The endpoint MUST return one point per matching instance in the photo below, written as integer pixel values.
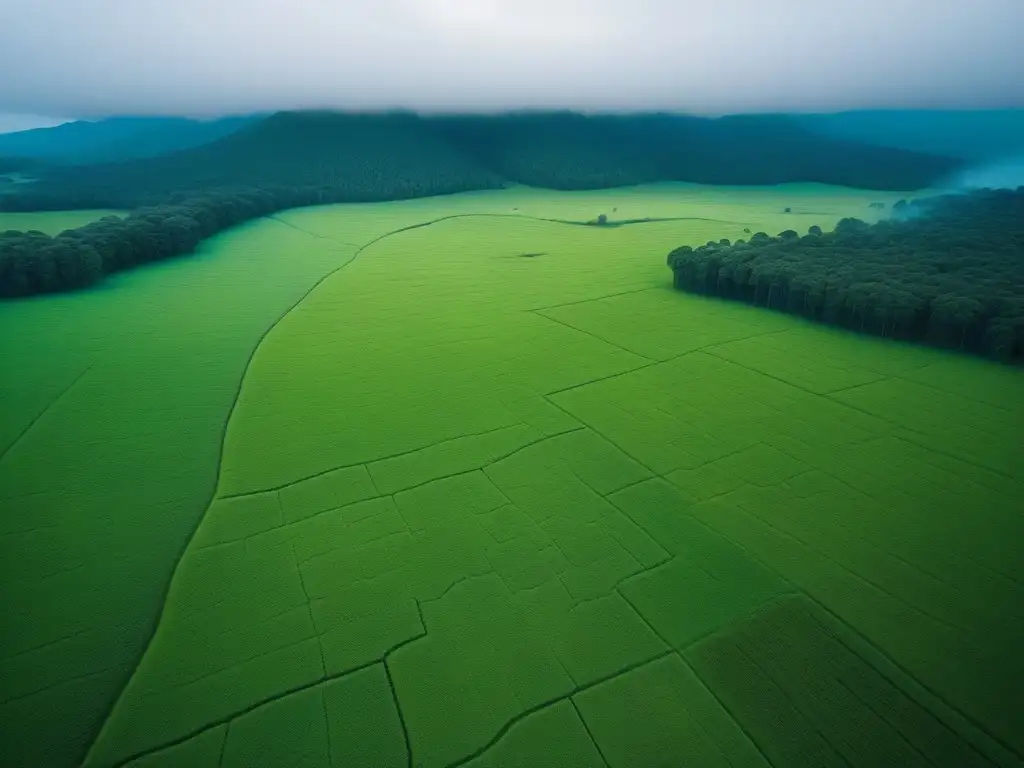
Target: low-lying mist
(1006, 173)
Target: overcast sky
(89, 58)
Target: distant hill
(357, 157)
(972, 135)
(383, 156)
(10, 164)
(116, 139)
(572, 151)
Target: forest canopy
(33, 262)
(390, 156)
(17, 164)
(946, 270)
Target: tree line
(947, 271)
(293, 159)
(354, 158)
(371, 157)
(34, 262)
(564, 150)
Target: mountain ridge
(83, 142)
(393, 155)
(969, 134)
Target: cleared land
(112, 409)
(600, 521)
(51, 222)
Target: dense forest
(291, 159)
(947, 271)
(358, 158)
(116, 138)
(33, 262)
(14, 164)
(572, 151)
(370, 157)
(979, 135)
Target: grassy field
(51, 222)
(493, 494)
(112, 409)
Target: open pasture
(493, 494)
(112, 407)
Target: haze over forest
(240, 56)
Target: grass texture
(112, 408)
(478, 509)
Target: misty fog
(66, 58)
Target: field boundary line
(923, 435)
(925, 691)
(155, 624)
(228, 719)
(591, 335)
(596, 298)
(948, 707)
(311, 233)
(504, 730)
(697, 677)
(42, 413)
(590, 733)
(368, 462)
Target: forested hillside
(947, 271)
(359, 157)
(398, 155)
(972, 134)
(116, 139)
(15, 164)
(572, 151)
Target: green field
(493, 494)
(51, 222)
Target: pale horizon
(737, 56)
